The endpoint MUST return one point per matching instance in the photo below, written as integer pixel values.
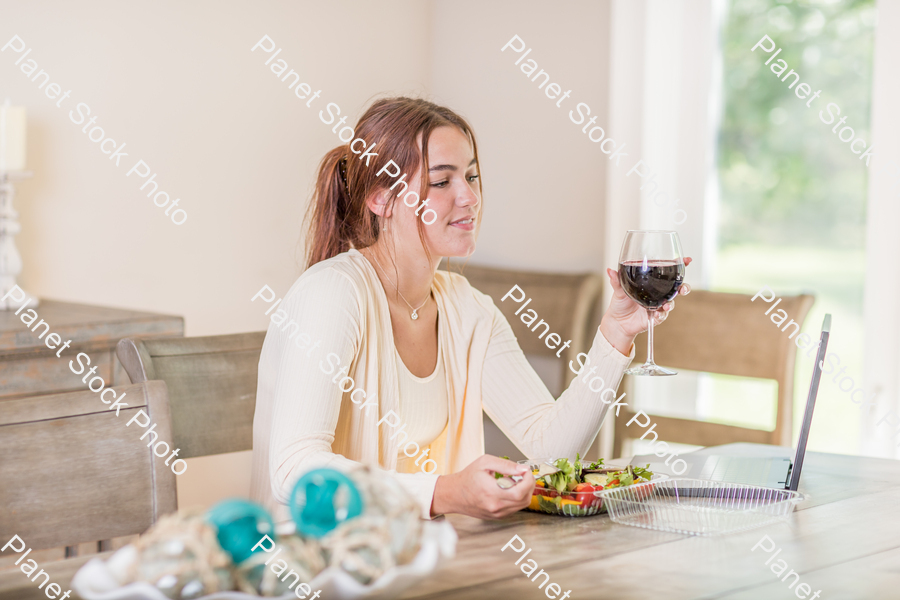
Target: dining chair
(724, 333)
(73, 472)
(568, 303)
(211, 382)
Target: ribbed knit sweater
(304, 420)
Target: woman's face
(452, 193)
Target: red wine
(653, 283)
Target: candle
(12, 138)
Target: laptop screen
(810, 405)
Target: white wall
(544, 181)
(177, 82)
(179, 85)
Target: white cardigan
(304, 421)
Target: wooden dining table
(843, 540)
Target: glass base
(651, 370)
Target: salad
(570, 491)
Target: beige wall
(178, 84)
(543, 180)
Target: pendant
(414, 315)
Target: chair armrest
(136, 360)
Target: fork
(507, 482)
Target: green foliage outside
(786, 179)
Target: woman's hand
(625, 318)
(474, 490)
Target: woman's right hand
(474, 490)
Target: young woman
(374, 353)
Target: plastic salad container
(698, 507)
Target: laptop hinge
(787, 481)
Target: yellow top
(424, 410)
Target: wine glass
(651, 270)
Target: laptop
(778, 473)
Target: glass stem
(650, 337)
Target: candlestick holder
(10, 261)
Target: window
(792, 196)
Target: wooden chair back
(212, 386)
(73, 472)
(724, 333)
(568, 303)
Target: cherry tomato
(585, 494)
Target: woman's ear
(379, 203)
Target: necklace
(414, 315)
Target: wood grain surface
(29, 368)
(74, 472)
(87, 326)
(843, 540)
(211, 383)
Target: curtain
(881, 422)
(665, 104)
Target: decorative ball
(292, 563)
(388, 534)
(323, 499)
(179, 556)
(240, 525)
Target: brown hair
(337, 217)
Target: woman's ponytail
(327, 215)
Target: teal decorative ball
(323, 499)
(240, 525)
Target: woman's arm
(307, 399)
(518, 401)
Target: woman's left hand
(625, 318)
